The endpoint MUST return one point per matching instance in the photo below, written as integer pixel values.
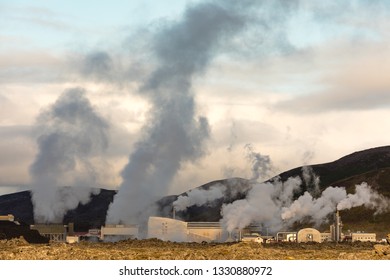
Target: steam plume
(261, 164)
(199, 197)
(365, 195)
(271, 204)
(173, 134)
(312, 181)
(333, 198)
(262, 205)
(71, 137)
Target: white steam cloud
(333, 198)
(271, 204)
(199, 197)
(312, 181)
(173, 133)
(71, 138)
(365, 195)
(315, 209)
(262, 204)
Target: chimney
(71, 229)
(337, 227)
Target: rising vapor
(260, 164)
(199, 197)
(272, 206)
(174, 134)
(71, 138)
(262, 205)
(332, 198)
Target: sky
(302, 82)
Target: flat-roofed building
(363, 237)
(55, 232)
(118, 232)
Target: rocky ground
(152, 249)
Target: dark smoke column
(173, 134)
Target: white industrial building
(209, 232)
(118, 232)
(363, 237)
(168, 229)
(326, 236)
(286, 236)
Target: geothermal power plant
(170, 229)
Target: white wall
(167, 229)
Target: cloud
(355, 81)
(335, 101)
(35, 15)
(17, 150)
(34, 66)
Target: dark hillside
(371, 166)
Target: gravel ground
(152, 249)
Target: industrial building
(209, 232)
(118, 232)
(363, 237)
(55, 232)
(335, 234)
(326, 237)
(254, 237)
(286, 236)
(168, 229)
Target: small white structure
(254, 237)
(309, 235)
(286, 236)
(363, 237)
(72, 239)
(118, 232)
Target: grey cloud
(98, 64)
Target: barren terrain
(152, 249)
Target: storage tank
(309, 235)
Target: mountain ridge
(371, 165)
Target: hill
(371, 166)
